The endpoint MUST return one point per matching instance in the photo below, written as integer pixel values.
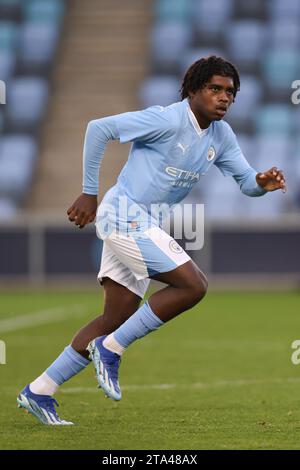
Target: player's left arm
(231, 162)
(256, 184)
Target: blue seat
(11, 9)
(274, 120)
(284, 33)
(7, 64)
(296, 161)
(1, 122)
(290, 164)
(268, 207)
(273, 150)
(247, 100)
(27, 99)
(169, 41)
(17, 160)
(268, 151)
(44, 11)
(280, 67)
(194, 54)
(179, 10)
(3, 93)
(38, 43)
(9, 35)
(221, 196)
(159, 90)
(279, 9)
(247, 146)
(8, 209)
(253, 9)
(245, 41)
(210, 16)
(296, 116)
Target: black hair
(201, 71)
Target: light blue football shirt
(168, 156)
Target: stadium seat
(169, 41)
(1, 122)
(267, 207)
(8, 209)
(210, 16)
(284, 33)
(3, 94)
(44, 11)
(272, 150)
(246, 102)
(262, 39)
(38, 46)
(8, 35)
(7, 64)
(11, 9)
(254, 9)
(296, 152)
(296, 117)
(279, 68)
(290, 165)
(27, 99)
(194, 54)
(221, 196)
(247, 146)
(17, 158)
(220, 207)
(159, 90)
(245, 41)
(179, 10)
(287, 8)
(274, 119)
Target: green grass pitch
(218, 377)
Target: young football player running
(172, 146)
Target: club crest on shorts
(211, 153)
(173, 245)
(135, 225)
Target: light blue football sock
(142, 322)
(68, 364)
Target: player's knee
(199, 288)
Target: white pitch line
(40, 317)
(163, 387)
(194, 386)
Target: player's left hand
(271, 180)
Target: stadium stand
(18, 156)
(262, 39)
(29, 35)
(103, 59)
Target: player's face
(213, 101)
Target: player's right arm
(147, 126)
(98, 133)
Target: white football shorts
(131, 260)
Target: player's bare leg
(119, 304)
(187, 285)
(36, 398)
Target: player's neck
(203, 122)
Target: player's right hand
(83, 210)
